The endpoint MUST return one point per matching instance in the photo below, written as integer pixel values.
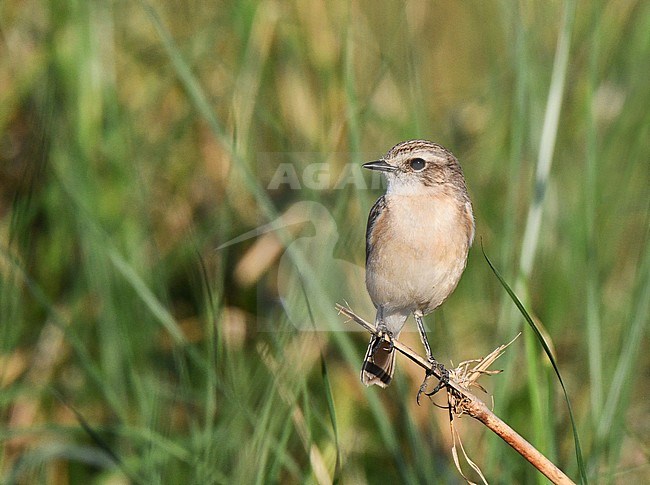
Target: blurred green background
(136, 138)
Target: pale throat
(399, 186)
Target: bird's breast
(418, 250)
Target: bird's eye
(417, 164)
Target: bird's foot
(443, 381)
(382, 334)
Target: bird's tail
(379, 363)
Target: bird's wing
(375, 213)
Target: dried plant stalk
(462, 401)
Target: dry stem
(464, 402)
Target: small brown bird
(417, 239)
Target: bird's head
(418, 166)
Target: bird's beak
(380, 165)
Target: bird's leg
(423, 336)
(444, 373)
(382, 330)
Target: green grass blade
(97, 438)
(547, 350)
(332, 414)
(622, 379)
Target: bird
(417, 241)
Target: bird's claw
(442, 382)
